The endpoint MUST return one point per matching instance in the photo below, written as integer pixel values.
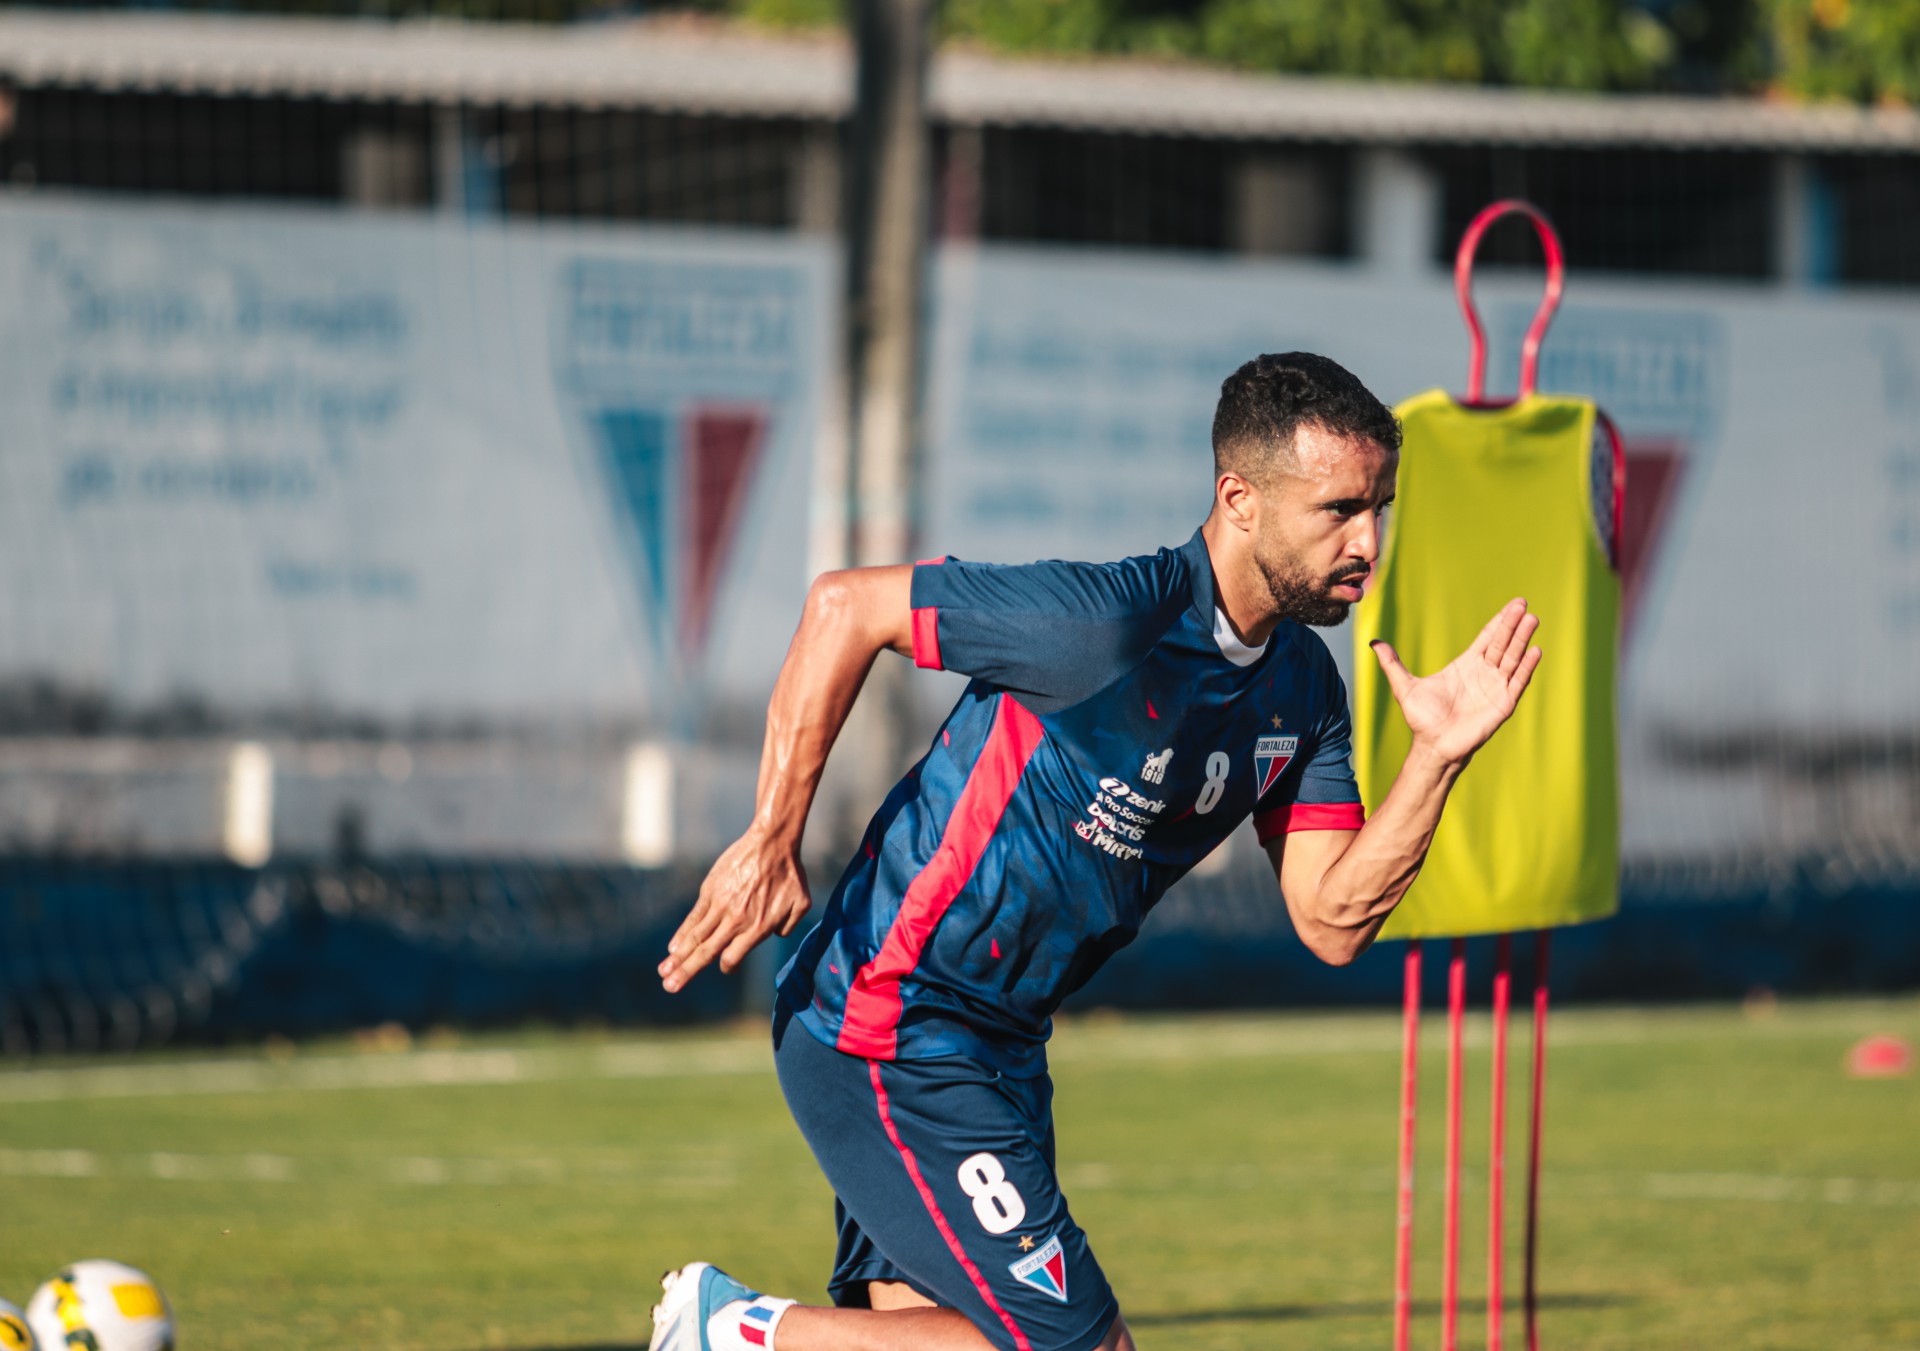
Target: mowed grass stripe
(1084, 1042)
(537, 1171)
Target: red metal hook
(1463, 288)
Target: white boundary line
(410, 1170)
(1083, 1043)
(546, 1171)
(187, 1078)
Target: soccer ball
(15, 1335)
(100, 1306)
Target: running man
(1121, 721)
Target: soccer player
(1121, 721)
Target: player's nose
(1364, 542)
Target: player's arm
(1340, 885)
(757, 888)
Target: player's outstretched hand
(1453, 711)
(756, 890)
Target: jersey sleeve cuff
(1291, 816)
(926, 639)
(926, 626)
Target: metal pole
(1542, 949)
(1409, 1104)
(1450, 1252)
(888, 188)
(1497, 1150)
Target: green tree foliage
(1566, 44)
(1054, 26)
(1391, 39)
(1866, 50)
(1584, 44)
(792, 13)
(1578, 44)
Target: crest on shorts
(1271, 756)
(1045, 1269)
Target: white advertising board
(316, 468)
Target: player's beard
(1302, 597)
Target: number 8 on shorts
(997, 1203)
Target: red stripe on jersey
(939, 1220)
(926, 627)
(1294, 816)
(873, 1000)
(926, 639)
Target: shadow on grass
(1286, 1313)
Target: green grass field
(1713, 1180)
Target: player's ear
(1237, 500)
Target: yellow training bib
(1493, 504)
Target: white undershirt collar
(1230, 646)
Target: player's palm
(1454, 710)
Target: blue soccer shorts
(943, 1178)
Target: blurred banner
(308, 471)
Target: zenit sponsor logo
(1120, 791)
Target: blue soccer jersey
(1113, 735)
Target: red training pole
(1542, 944)
(1497, 1150)
(1409, 1105)
(1450, 1256)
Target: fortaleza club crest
(1271, 756)
(1045, 1269)
(678, 379)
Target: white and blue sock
(746, 1324)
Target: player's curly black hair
(1267, 400)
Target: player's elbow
(1335, 935)
(830, 600)
(861, 605)
(835, 604)
(1335, 946)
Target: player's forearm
(849, 619)
(1361, 887)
